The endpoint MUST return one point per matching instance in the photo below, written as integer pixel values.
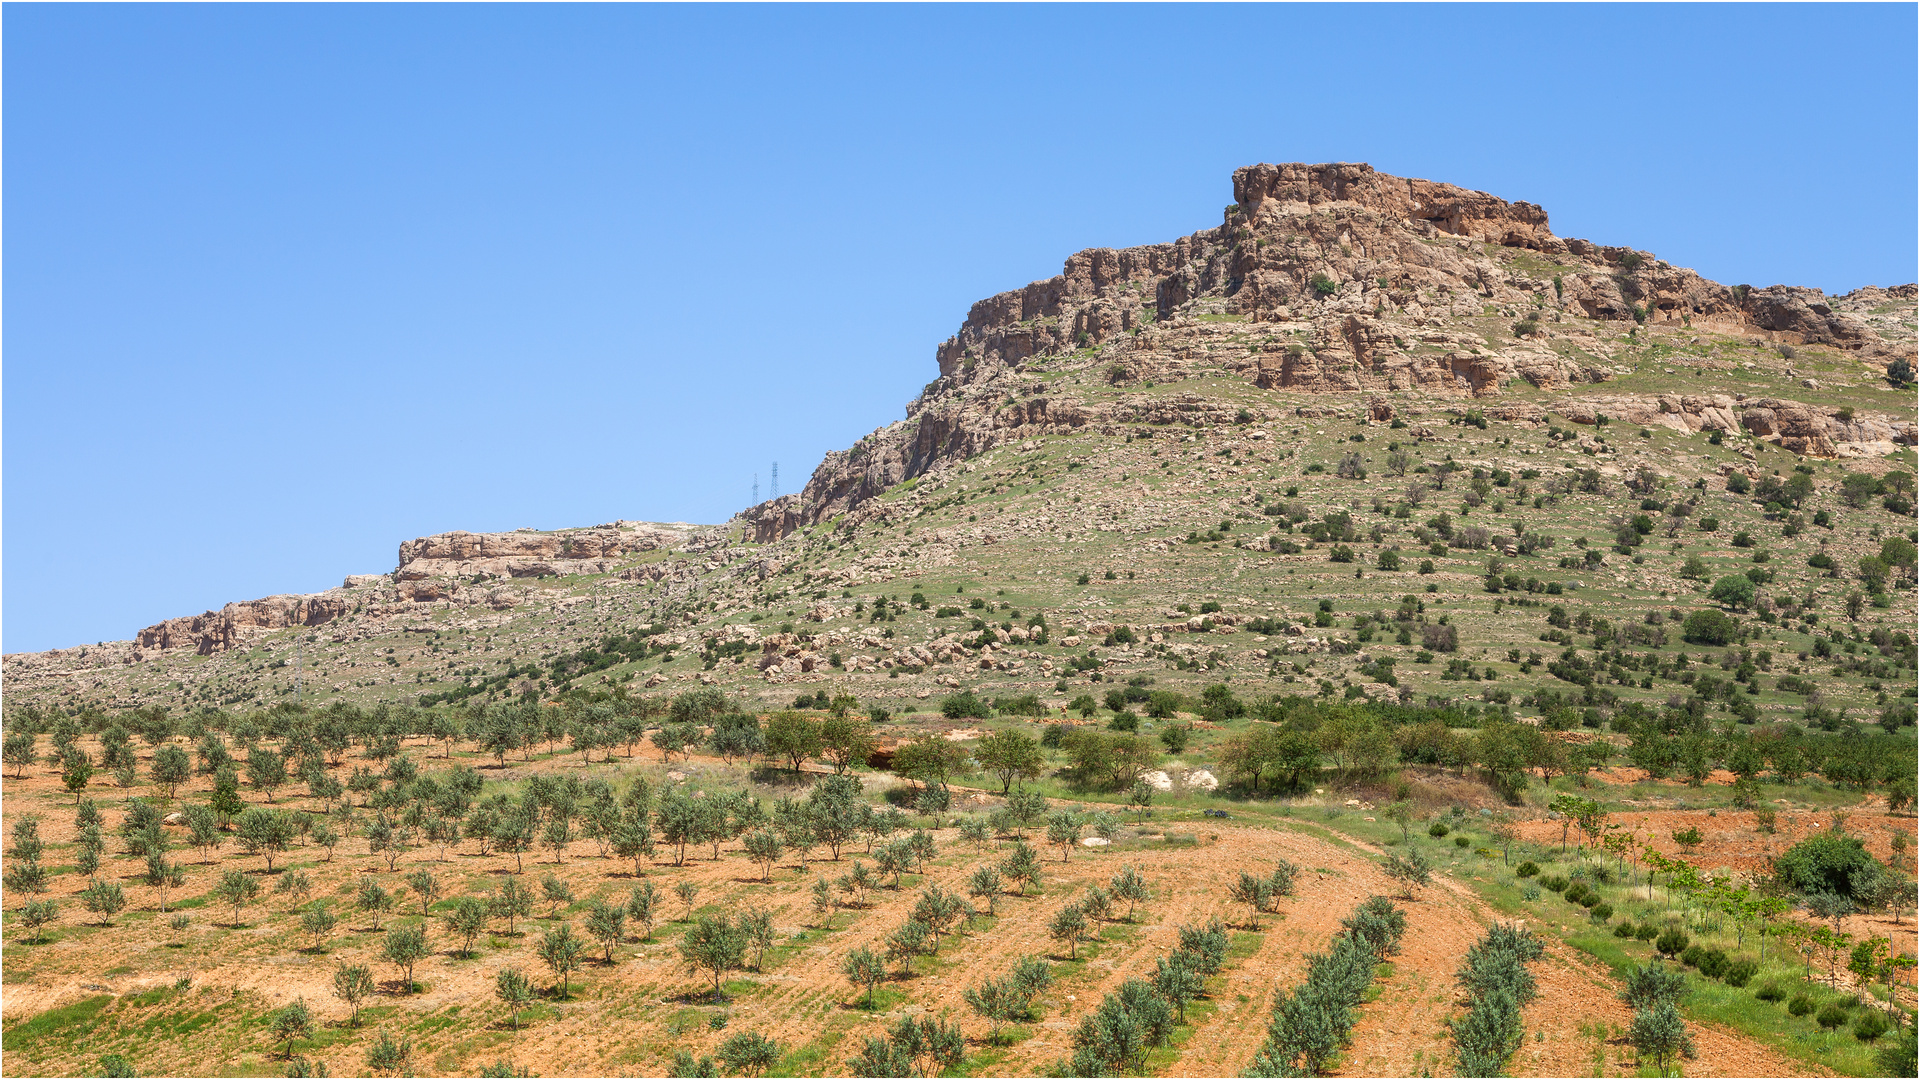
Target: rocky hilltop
(1140, 402)
(461, 566)
(1332, 279)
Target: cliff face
(231, 626)
(534, 554)
(1320, 279)
(462, 567)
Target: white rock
(1159, 780)
(1201, 779)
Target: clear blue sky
(287, 285)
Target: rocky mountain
(1330, 279)
(1108, 421)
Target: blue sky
(287, 285)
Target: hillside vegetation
(1235, 642)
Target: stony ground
(1017, 526)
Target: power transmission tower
(756, 490)
(773, 485)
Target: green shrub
(1462, 842)
(1830, 863)
(1770, 992)
(1646, 931)
(1691, 955)
(1554, 883)
(1588, 899)
(1308, 1026)
(1648, 985)
(1871, 1025)
(1735, 590)
(1525, 870)
(1575, 892)
(1624, 930)
(965, 705)
(1671, 943)
(1710, 627)
(1498, 985)
(1438, 829)
(1601, 912)
(1739, 973)
(1801, 1005)
(1713, 963)
(1831, 1017)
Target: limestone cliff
(465, 567)
(1320, 279)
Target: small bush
(1462, 842)
(1770, 992)
(1624, 930)
(1709, 627)
(1739, 973)
(1601, 912)
(1438, 829)
(1671, 943)
(1646, 931)
(1691, 955)
(1801, 1005)
(1713, 963)
(1554, 883)
(965, 705)
(1871, 1025)
(1831, 1017)
(1525, 870)
(1576, 892)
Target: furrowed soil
(93, 988)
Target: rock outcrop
(1811, 430)
(235, 624)
(527, 553)
(456, 567)
(1325, 279)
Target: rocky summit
(1275, 451)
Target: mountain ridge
(1327, 293)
